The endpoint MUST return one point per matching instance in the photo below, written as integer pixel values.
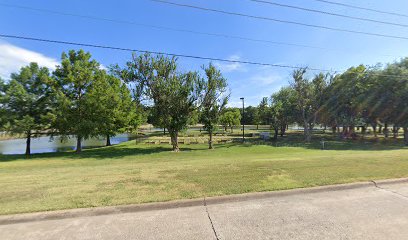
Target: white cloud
(231, 66)
(12, 58)
(267, 78)
(103, 67)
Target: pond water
(44, 144)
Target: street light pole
(243, 123)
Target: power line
(158, 27)
(329, 13)
(280, 20)
(180, 55)
(156, 52)
(119, 21)
(363, 8)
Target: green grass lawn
(130, 173)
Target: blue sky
(251, 82)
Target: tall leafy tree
(255, 117)
(388, 96)
(27, 102)
(264, 111)
(3, 101)
(283, 105)
(194, 118)
(75, 113)
(310, 99)
(251, 116)
(113, 108)
(276, 111)
(398, 101)
(174, 95)
(402, 118)
(230, 118)
(370, 101)
(213, 100)
(319, 85)
(348, 93)
(302, 87)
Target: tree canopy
(360, 97)
(213, 101)
(74, 111)
(230, 118)
(81, 99)
(113, 108)
(26, 102)
(174, 95)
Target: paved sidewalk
(364, 212)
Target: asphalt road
(370, 212)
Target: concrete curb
(88, 212)
(391, 181)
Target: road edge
(109, 210)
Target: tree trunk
(380, 128)
(352, 133)
(386, 130)
(334, 128)
(79, 144)
(306, 131)
(306, 126)
(406, 136)
(28, 144)
(257, 126)
(275, 136)
(344, 132)
(232, 129)
(363, 131)
(374, 126)
(174, 140)
(210, 141)
(164, 131)
(395, 130)
(283, 130)
(108, 141)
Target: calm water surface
(43, 144)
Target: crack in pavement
(211, 222)
(388, 190)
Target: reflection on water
(44, 144)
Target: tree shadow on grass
(293, 140)
(330, 143)
(112, 152)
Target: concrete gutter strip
(97, 211)
(391, 181)
(284, 193)
(88, 212)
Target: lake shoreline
(44, 144)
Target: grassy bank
(130, 173)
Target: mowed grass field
(132, 173)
